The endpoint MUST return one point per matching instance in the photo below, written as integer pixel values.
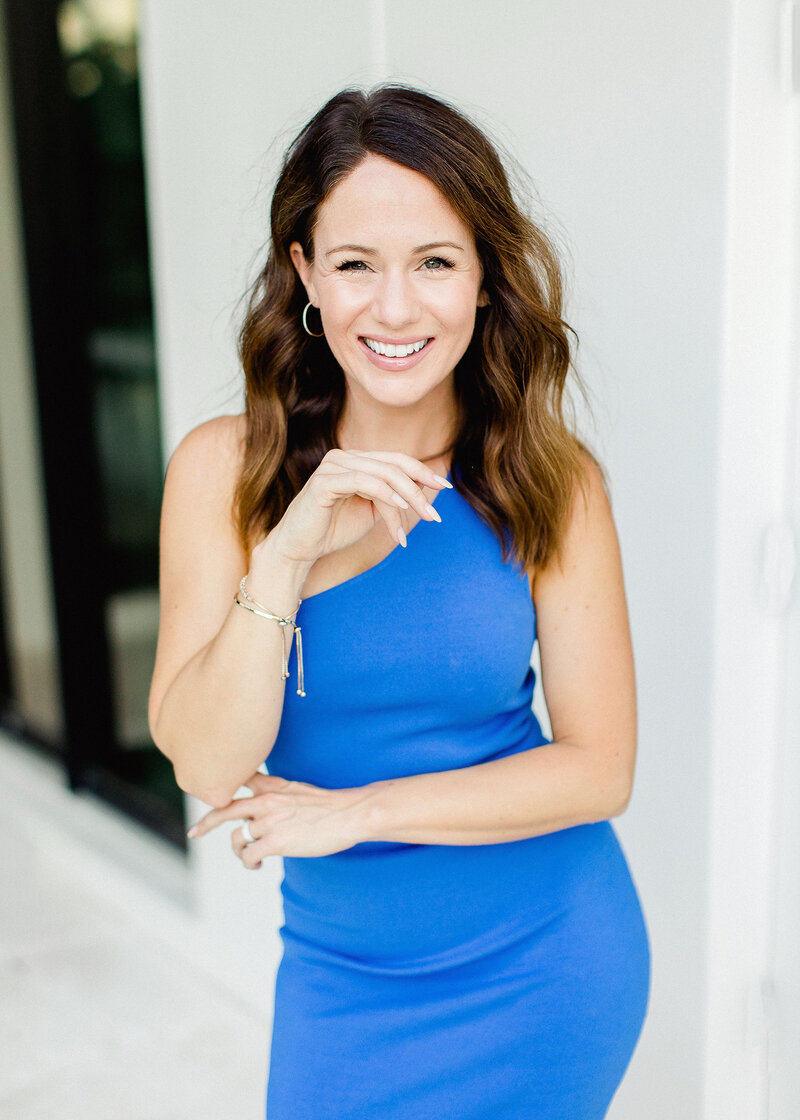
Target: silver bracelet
(251, 604)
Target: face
(394, 267)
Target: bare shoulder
(589, 525)
(583, 630)
(218, 442)
(203, 469)
(198, 530)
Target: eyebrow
(419, 248)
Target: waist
(417, 903)
(356, 752)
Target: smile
(390, 350)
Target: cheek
(342, 300)
(458, 307)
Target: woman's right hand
(346, 495)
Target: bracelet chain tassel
(250, 604)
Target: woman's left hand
(288, 819)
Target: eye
(440, 264)
(440, 260)
(347, 266)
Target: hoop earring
(305, 324)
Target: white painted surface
(752, 637)
(651, 134)
(225, 89)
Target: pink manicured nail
(401, 537)
(192, 832)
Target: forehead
(383, 200)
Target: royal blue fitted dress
(503, 981)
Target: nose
(395, 302)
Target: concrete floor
(99, 1020)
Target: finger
(238, 841)
(396, 482)
(244, 850)
(392, 522)
(410, 492)
(266, 783)
(412, 467)
(403, 473)
(235, 811)
(345, 483)
(377, 491)
(252, 856)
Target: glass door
(76, 111)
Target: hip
(412, 908)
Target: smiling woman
(462, 935)
(368, 305)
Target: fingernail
(399, 501)
(192, 832)
(401, 537)
(443, 481)
(433, 512)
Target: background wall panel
(622, 114)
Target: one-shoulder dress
(505, 981)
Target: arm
(586, 773)
(216, 695)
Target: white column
(750, 600)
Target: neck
(426, 438)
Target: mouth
(396, 356)
(396, 350)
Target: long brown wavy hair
(515, 458)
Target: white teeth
(393, 351)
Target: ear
(303, 271)
(483, 297)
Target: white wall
(622, 113)
(225, 89)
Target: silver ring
(249, 837)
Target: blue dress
(504, 981)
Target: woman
(462, 936)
